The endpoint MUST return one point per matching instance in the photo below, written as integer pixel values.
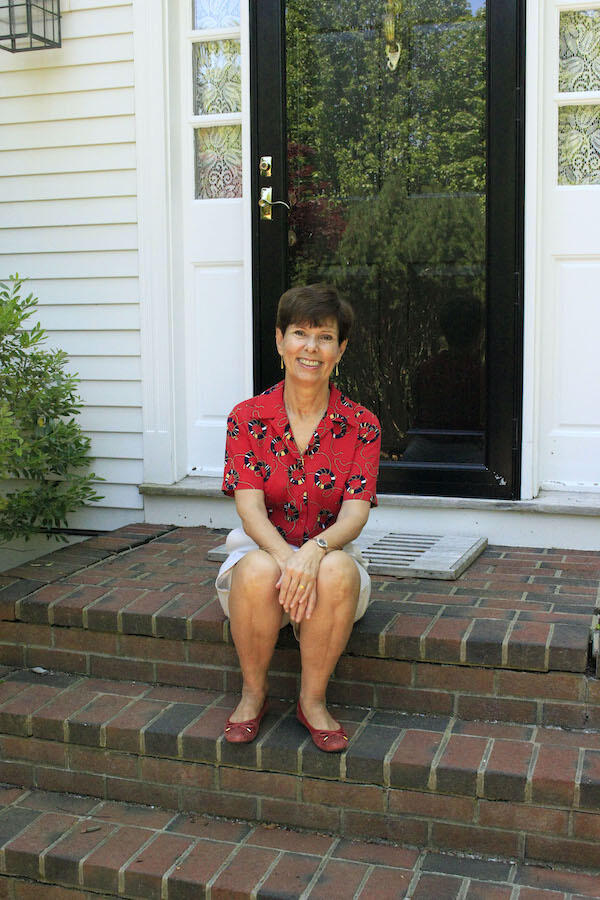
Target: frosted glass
(218, 162)
(217, 77)
(215, 14)
(579, 53)
(579, 145)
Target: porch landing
(473, 710)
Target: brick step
(145, 609)
(88, 846)
(526, 792)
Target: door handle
(266, 203)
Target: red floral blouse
(303, 491)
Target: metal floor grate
(419, 555)
(410, 555)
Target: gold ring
(301, 586)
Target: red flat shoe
(244, 732)
(329, 741)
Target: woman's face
(310, 352)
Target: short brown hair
(314, 304)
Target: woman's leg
(254, 619)
(324, 636)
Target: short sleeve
(244, 467)
(361, 483)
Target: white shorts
(238, 544)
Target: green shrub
(41, 444)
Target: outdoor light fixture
(29, 24)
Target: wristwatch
(322, 543)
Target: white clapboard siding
(100, 49)
(117, 316)
(79, 263)
(56, 160)
(111, 418)
(68, 224)
(68, 133)
(96, 343)
(110, 393)
(76, 184)
(68, 239)
(105, 368)
(118, 471)
(60, 81)
(76, 105)
(52, 213)
(121, 445)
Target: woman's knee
(339, 575)
(257, 569)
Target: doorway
(392, 131)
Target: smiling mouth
(313, 363)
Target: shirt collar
(270, 405)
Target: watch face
(321, 542)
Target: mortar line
(104, 840)
(387, 760)
(463, 641)
(225, 863)
(578, 774)
(164, 881)
(121, 872)
(324, 860)
(416, 874)
(506, 639)
(142, 738)
(46, 850)
(432, 780)
(102, 733)
(462, 894)
(547, 648)
(364, 879)
(530, 771)
(264, 877)
(423, 636)
(482, 767)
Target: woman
(301, 461)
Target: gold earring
(337, 370)
(281, 360)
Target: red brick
(455, 678)
(128, 814)
(522, 817)
(62, 860)
(22, 854)
(208, 623)
(85, 641)
(187, 881)
(143, 875)
(553, 685)
(444, 638)
(341, 879)
(473, 839)
(46, 801)
(414, 700)
(61, 660)
(456, 772)
(586, 825)
(9, 689)
(589, 795)
(138, 617)
(49, 721)
(403, 637)
(190, 676)
(479, 890)
(15, 713)
(68, 611)
(505, 775)
(243, 872)
(49, 779)
(566, 715)
(442, 887)
(249, 781)
(212, 654)
(137, 670)
(103, 615)
(26, 890)
(383, 671)
(376, 854)
(432, 806)
(24, 633)
(33, 751)
(133, 791)
(387, 884)
(199, 738)
(535, 894)
(558, 850)
(496, 709)
(294, 841)
(123, 732)
(101, 869)
(411, 763)
(218, 803)
(554, 879)
(85, 726)
(168, 771)
(198, 825)
(291, 875)
(554, 775)
(17, 773)
(83, 759)
(527, 645)
(342, 794)
(372, 826)
(302, 815)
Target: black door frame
(500, 478)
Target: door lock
(266, 203)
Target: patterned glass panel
(579, 145)
(215, 14)
(579, 64)
(218, 162)
(217, 77)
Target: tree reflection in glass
(387, 181)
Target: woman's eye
(326, 337)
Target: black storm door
(392, 129)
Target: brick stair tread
(528, 612)
(133, 851)
(389, 750)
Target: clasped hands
(297, 584)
